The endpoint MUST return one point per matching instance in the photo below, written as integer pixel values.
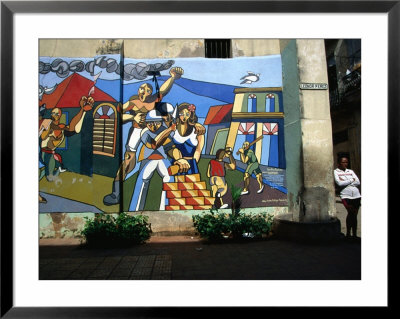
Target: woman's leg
(354, 214)
(349, 222)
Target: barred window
(104, 129)
(218, 48)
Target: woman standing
(348, 181)
(187, 136)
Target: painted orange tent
(69, 92)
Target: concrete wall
(255, 47)
(132, 48)
(70, 225)
(308, 131)
(151, 48)
(316, 128)
(163, 48)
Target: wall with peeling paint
(152, 48)
(70, 225)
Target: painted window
(246, 129)
(220, 140)
(252, 103)
(270, 146)
(270, 128)
(270, 103)
(104, 129)
(245, 133)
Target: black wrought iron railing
(351, 85)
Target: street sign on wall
(313, 86)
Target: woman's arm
(199, 148)
(182, 163)
(341, 182)
(356, 181)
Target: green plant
(210, 225)
(236, 200)
(135, 228)
(106, 230)
(214, 225)
(256, 224)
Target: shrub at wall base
(107, 231)
(215, 226)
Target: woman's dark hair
(339, 159)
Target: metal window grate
(218, 48)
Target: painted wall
(204, 83)
(299, 111)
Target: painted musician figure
(248, 157)
(135, 110)
(52, 133)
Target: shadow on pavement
(185, 258)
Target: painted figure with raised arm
(52, 133)
(135, 111)
(248, 157)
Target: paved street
(190, 258)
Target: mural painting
(118, 134)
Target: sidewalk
(190, 258)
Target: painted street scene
(220, 121)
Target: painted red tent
(69, 92)
(219, 114)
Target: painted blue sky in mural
(205, 82)
(229, 71)
(226, 71)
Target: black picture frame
(9, 8)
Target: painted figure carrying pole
(248, 157)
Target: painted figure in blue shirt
(187, 137)
(153, 157)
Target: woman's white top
(349, 180)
